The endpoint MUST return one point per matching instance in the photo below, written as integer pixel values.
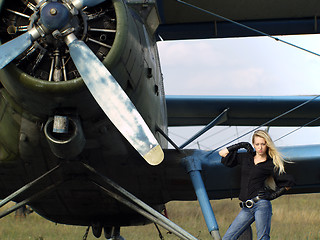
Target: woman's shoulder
(246, 154)
(235, 158)
(245, 158)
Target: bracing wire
(184, 138)
(308, 123)
(249, 28)
(177, 135)
(229, 137)
(270, 36)
(215, 134)
(266, 123)
(201, 145)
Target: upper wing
(243, 110)
(285, 17)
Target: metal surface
(102, 85)
(139, 206)
(30, 199)
(82, 3)
(114, 102)
(14, 48)
(26, 187)
(193, 167)
(204, 202)
(243, 110)
(174, 12)
(273, 17)
(60, 124)
(153, 215)
(65, 145)
(25, 97)
(222, 117)
(250, 29)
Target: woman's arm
(230, 155)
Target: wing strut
(219, 119)
(193, 166)
(136, 204)
(222, 117)
(25, 188)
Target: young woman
(257, 167)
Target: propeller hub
(54, 15)
(53, 11)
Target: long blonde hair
(278, 160)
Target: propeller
(100, 82)
(15, 47)
(114, 101)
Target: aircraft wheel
(97, 230)
(117, 238)
(107, 232)
(112, 233)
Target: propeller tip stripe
(154, 156)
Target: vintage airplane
(84, 118)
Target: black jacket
(253, 176)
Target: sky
(241, 66)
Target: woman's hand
(224, 152)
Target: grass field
(294, 217)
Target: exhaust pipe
(65, 136)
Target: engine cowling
(44, 77)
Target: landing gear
(108, 187)
(193, 167)
(97, 229)
(136, 204)
(112, 233)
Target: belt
(249, 203)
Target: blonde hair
(278, 160)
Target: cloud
(251, 66)
(254, 66)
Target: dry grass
(294, 217)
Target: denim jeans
(261, 212)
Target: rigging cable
(229, 137)
(266, 123)
(86, 234)
(191, 144)
(247, 27)
(270, 36)
(160, 235)
(215, 134)
(297, 129)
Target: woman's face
(260, 145)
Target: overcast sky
(241, 66)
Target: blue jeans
(261, 212)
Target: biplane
(84, 117)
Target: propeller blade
(89, 3)
(114, 101)
(16, 46)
